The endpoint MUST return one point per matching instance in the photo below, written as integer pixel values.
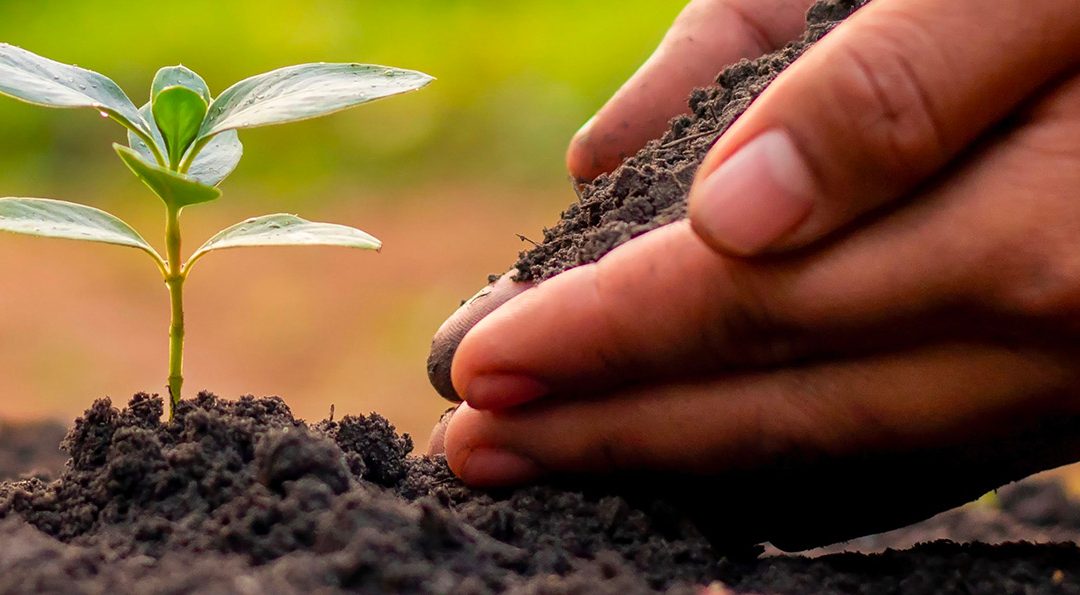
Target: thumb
(875, 108)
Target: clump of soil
(239, 496)
(649, 189)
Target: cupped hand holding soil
(708, 36)
(913, 180)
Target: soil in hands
(649, 189)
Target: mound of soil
(240, 497)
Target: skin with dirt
(241, 497)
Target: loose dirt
(240, 497)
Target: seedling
(182, 144)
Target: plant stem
(175, 282)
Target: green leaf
(179, 76)
(214, 162)
(217, 159)
(140, 146)
(58, 219)
(176, 190)
(285, 230)
(178, 113)
(305, 91)
(34, 79)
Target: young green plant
(182, 144)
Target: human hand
(708, 36)
(949, 320)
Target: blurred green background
(445, 177)
(515, 80)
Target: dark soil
(240, 497)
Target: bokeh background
(446, 178)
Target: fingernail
(757, 196)
(492, 467)
(497, 391)
(437, 440)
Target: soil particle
(373, 449)
(649, 189)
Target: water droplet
(103, 114)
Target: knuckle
(1030, 265)
(749, 327)
(787, 418)
(611, 457)
(883, 96)
(1039, 280)
(614, 305)
(596, 439)
(760, 35)
(817, 412)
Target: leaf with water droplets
(286, 230)
(217, 159)
(176, 190)
(136, 143)
(305, 91)
(49, 218)
(34, 79)
(179, 76)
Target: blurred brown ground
(316, 326)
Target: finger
(895, 401)
(915, 433)
(707, 36)
(665, 305)
(449, 335)
(872, 110)
(437, 439)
